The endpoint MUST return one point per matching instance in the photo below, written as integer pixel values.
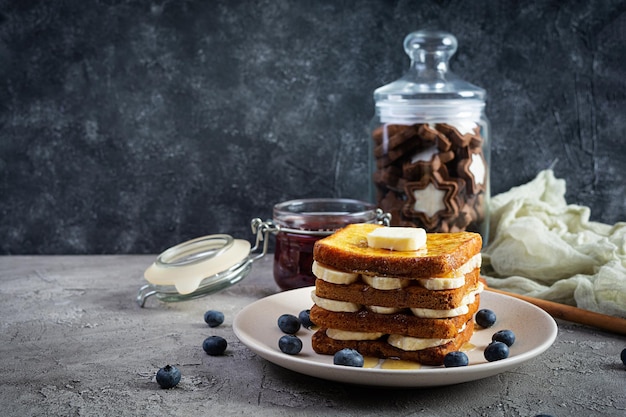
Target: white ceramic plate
(535, 331)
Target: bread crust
(347, 250)
(324, 345)
(413, 296)
(402, 323)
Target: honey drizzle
(399, 364)
(370, 362)
(467, 347)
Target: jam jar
(429, 143)
(300, 223)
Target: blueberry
(348, 357)
(290, 344)
(214, 318)
(289, 324)
(214, 345)
(168, 376)
(496, 351)
(623, 357)
(505, 336)
(485, 318)
(305, 319)
(454, 359)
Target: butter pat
(402, 239)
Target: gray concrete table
(74, 342)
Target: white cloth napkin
(545, 248)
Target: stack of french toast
(395, 292)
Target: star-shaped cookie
(431, 198)
(472, 167)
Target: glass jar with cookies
(430, 143)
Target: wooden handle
(574, 314)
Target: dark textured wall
(128, 126)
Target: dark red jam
(293, 259)
(303, 222)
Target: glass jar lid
(185, 265)
(429, 91)
(204, 265)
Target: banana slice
(383, 310)
(385, 283)
(349, 335)
(414, 343)
(334, 305)
(435, 284)
(332, 275)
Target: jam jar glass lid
(185, 265)
(204, 265)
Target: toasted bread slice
(347, 250)
(402, 323)
(412, 296)
(324, 345)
